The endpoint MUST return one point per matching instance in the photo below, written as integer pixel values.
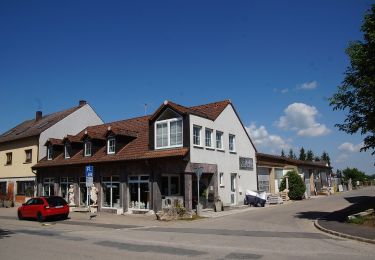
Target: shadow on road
(359, 204)
(5, 233)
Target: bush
(296, 185)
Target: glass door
(139, 192)
(233, 188)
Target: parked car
(41, 208)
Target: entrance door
(233, 188)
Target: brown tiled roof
(32, 127)
(54, 141)
(135, 150)
(210, 111)
(264, 159)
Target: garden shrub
(296, 185)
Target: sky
(277, 61)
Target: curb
(339, 234)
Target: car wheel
(20, 217)
(40, 217)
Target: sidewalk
(335, 222)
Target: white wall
(227, 162)
(72, 124)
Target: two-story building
(22, 146)
(143, 163)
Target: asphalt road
(278, 232)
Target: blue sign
(89, 175)
(89, 171)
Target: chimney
(82, 102)
(38, 115)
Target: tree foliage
(325, 157)
(356, 94)
(291, 154)
(302, 155)
(296, 185)
(310, 156)
(354, 174)
(282, 153)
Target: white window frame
(66, 151)
(111, 182)
(221, 148)
(210, 131)
(113, 146)
(88, 148)
(50, 182)
(221, 179)
(232, 143)
(49, 152)
(168, 121)
(28, 153)
(198, 137)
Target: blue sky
(278, 61)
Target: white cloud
(349, 147)
(300, 117)
(263, 139)
(285, 90)
(308, 85)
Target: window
(49, 187)
(168, 133)
(221, 179)
(29, 155)
(9, 158)
(197, 135)
(232, 145)
(88, 148)
(67, 149)
(3, 188)
(170, 185)
(25, 188)
(64, 187)
(111, 192)
(49, 152)
(111, 146)
(83, 192)
(139, 189)
(208, 139)
(219, 140)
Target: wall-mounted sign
(246, 163)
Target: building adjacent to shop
(146, 163)
(22, 146)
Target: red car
(44, 207)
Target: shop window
(170, 185)
(48, 187)
(28, 155)
(25, 188)
(111, 192)
(83, 192)
(139, 192)
(3, 188)
(64, 187)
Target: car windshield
(55, 201)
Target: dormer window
(49, 152)
(168, 133)
(67, 149)
(111, 145)
(88, 146)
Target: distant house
(22, 146)
(272, 168)
(145, 163)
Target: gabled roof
(34, 127)
(210, 111)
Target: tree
(325, 157)
(302, 154)
(291, 154)
(310, 156)
(282, 153)
(354, 174)
(357, 92)
(296, 185)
